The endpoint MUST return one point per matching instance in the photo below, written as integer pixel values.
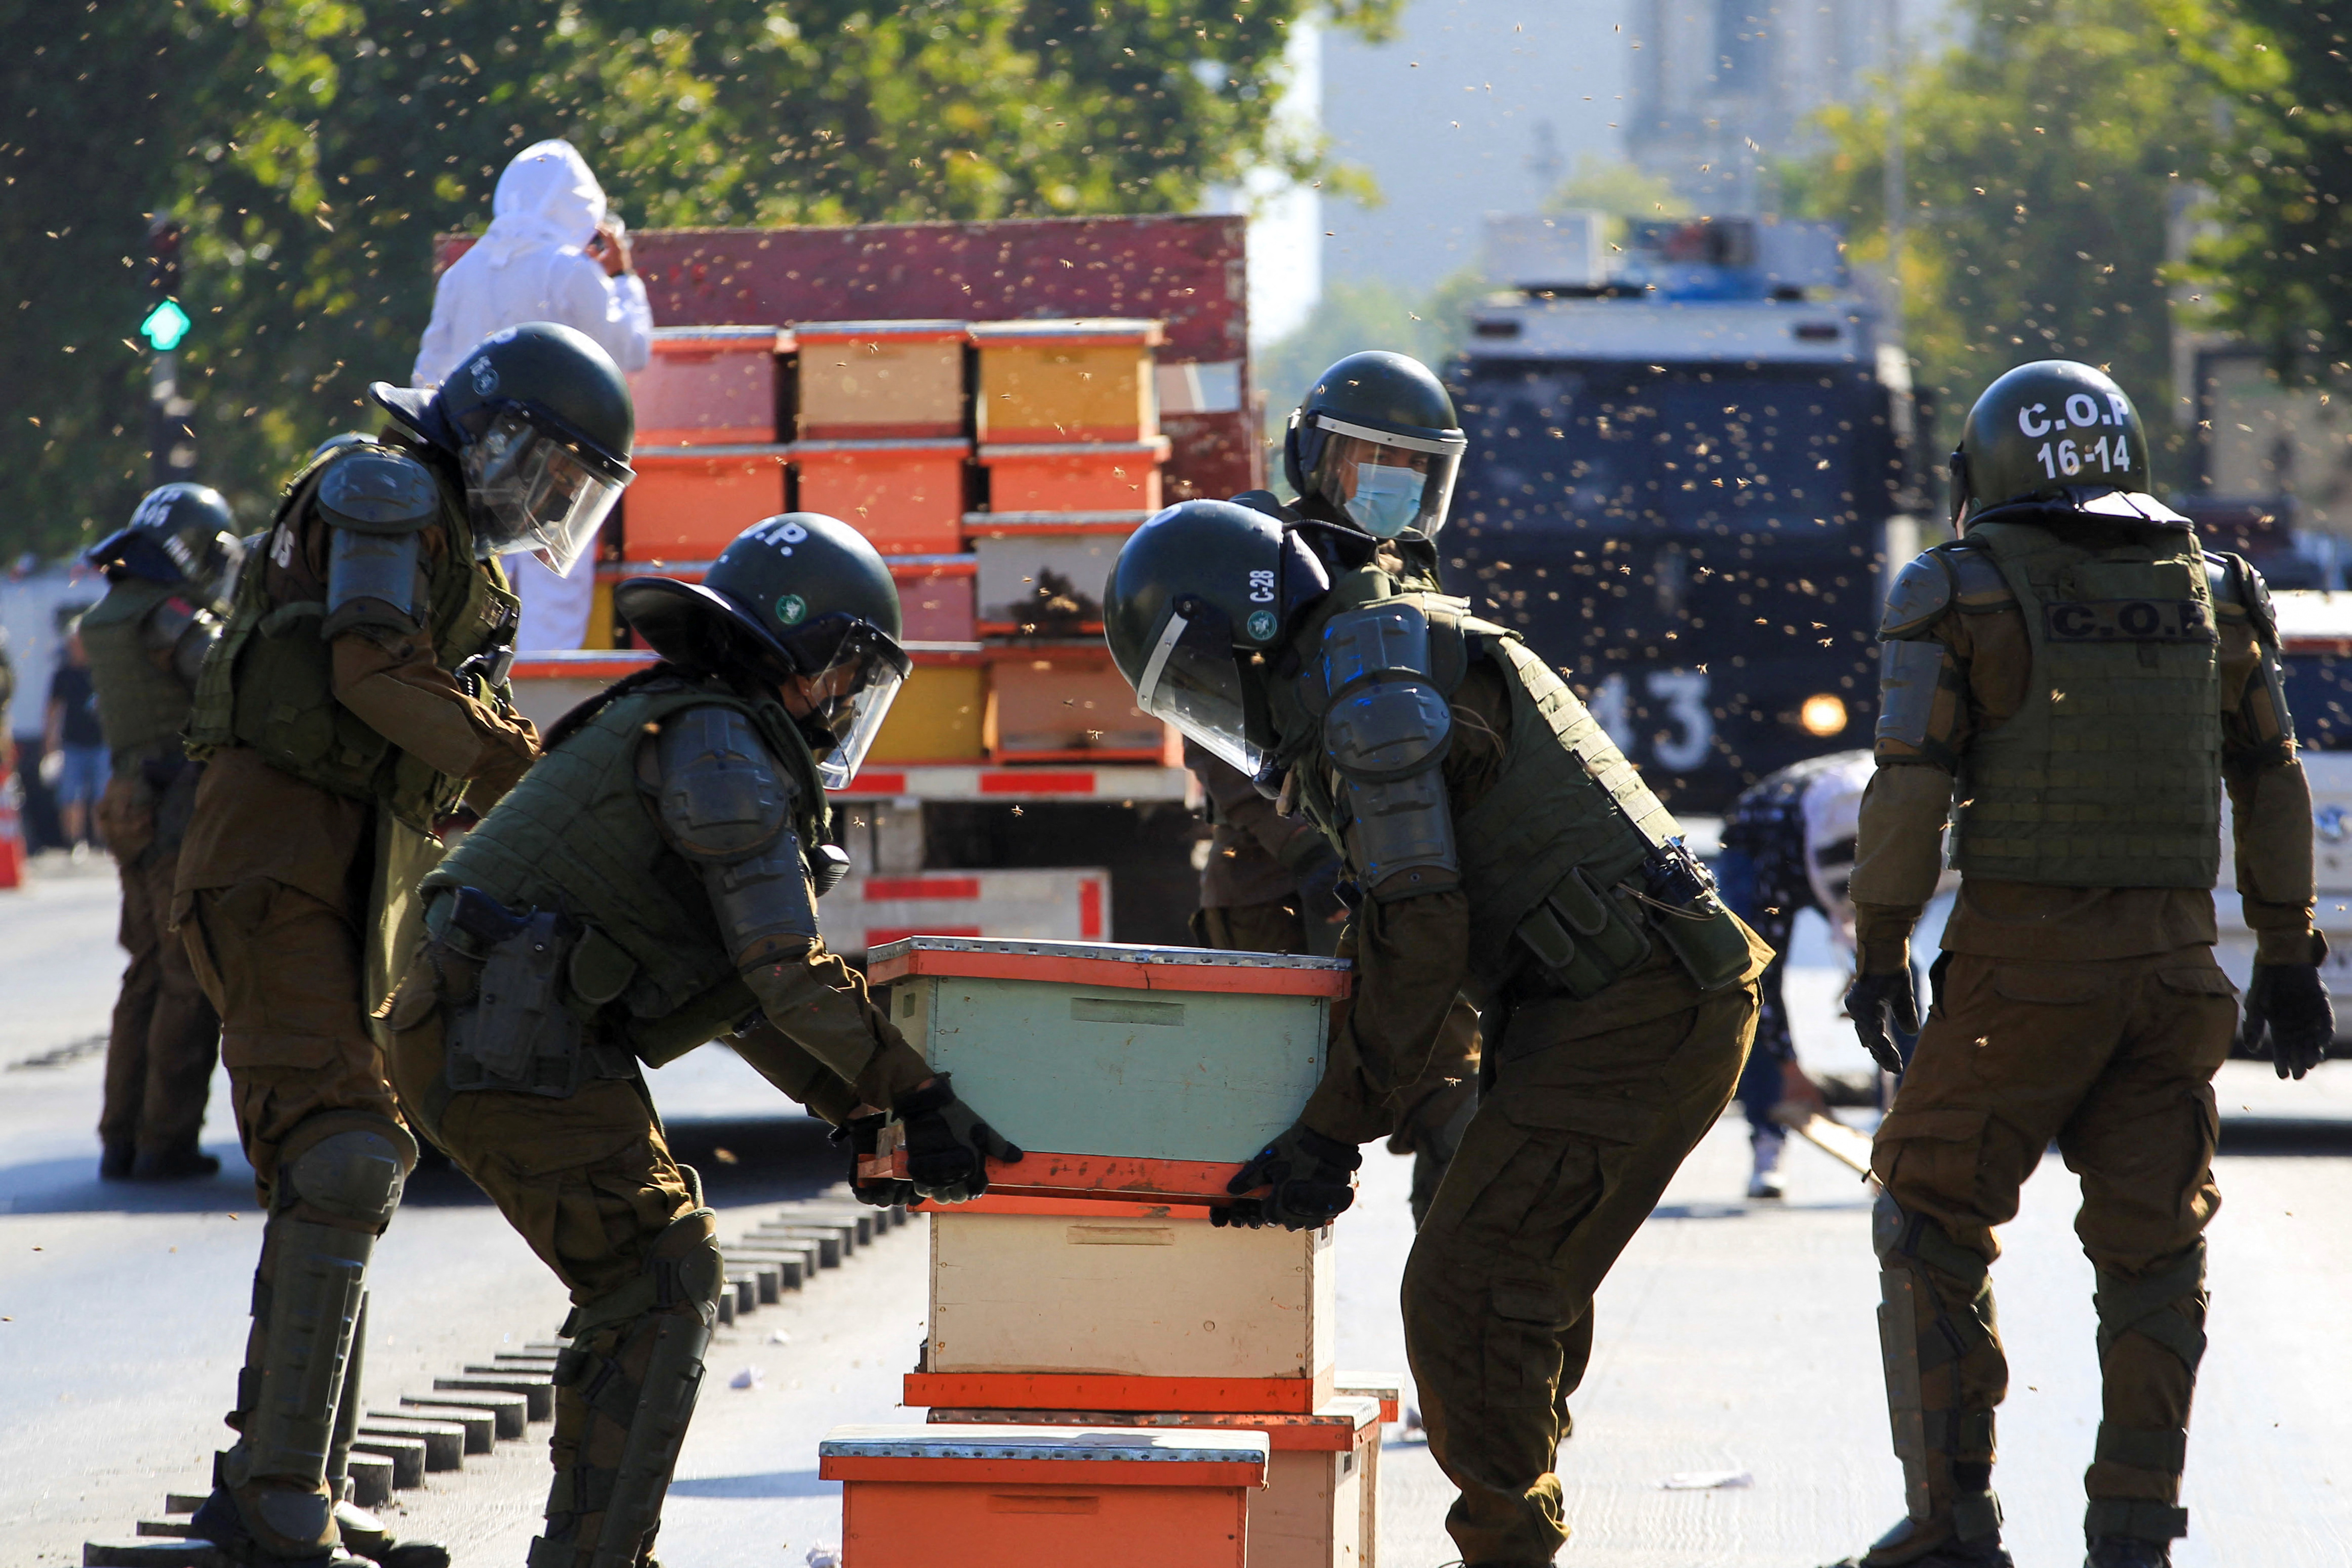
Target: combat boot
(365, 1535)
(1913, 1545)
(2128, 1552)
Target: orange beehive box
(687, 503)
(864, 380)
(1018, 1497)
(937, 716)
(1069, 704)
(708, 386)
(1086, 379)
(1322, 1476)
(906, 496)
(1084, 476)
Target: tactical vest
(270, 683)
(141, 708)
(579, 834)
(1546, 853)
(2109, 776)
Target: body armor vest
(2109, 776)
(269, 684)
(141, 708)
(579, 834)
(1545, 854)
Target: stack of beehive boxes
(1088, 1288)
(998, 466)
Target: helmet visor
(531, 490)
(1193, 682)
(850, 674)
(1386, 483)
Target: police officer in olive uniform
(1504, 848)
(167, 575)
(652, 885)
(1272, 882)
(2083, 681)
(356, 700)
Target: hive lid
(839, 332)
(1076, 1444)
(1112, 964)
(1139, 330)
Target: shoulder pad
(1976, 582)
(2237, 587)
(1921, 592)
(1267, 502)
(370, 489)
(1377, 638)
(722, 796)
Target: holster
(520, 1031)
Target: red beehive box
(1069, 704)
(935, 596)
(1080, 476)
(906, 496)
(1017, 1497)
(687, 503)
(708, 386)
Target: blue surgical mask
(1387, 499)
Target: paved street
(1733, 1338)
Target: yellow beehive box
(1081, 380)
(863, 379)
(935, 718)
(1135, 1296)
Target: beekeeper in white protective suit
(552, 254)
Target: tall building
(1722, 89)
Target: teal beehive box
(1119, 1069)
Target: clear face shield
(851, 672)
(532, 490)
(1386, 483)
(1193, 681)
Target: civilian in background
(552, 253)
(73, 759)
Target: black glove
(1320, 903)
(2288, 1002)
(1871, 1001)
(863, 1136)
(1312, 1180)
(948, 1147)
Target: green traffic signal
(166, 325)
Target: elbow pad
(728, 808)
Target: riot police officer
(167, 574)
(2083, 681)
(355, 701)
(1271, 883)
(651, 884)
(1505, 848)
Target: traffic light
(166, 322)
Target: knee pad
(352, 1174)
(1897, 1233)
(2166, 1304)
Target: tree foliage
(2043, 161)
(314, 147)
(2277, 264)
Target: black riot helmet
(183, 534)
(1375, 445)
(802, 597)
(2051, 431)
(540, 420)
(1197, 598)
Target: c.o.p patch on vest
(2125, 620)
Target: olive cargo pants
(1592, 1107)
(2115, 1060)
(164, 1037)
